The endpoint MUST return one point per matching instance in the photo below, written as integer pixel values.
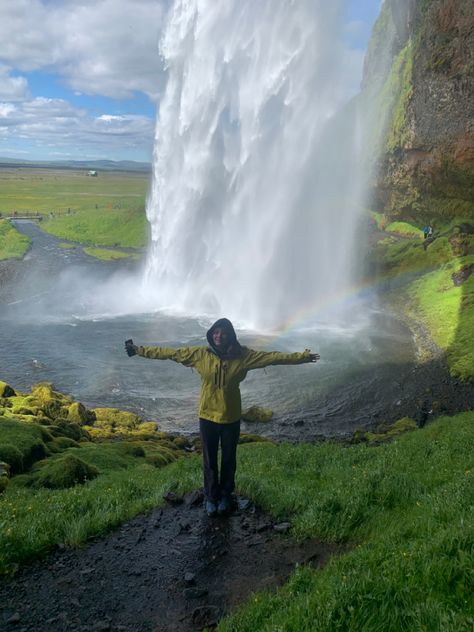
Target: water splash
(257, 170)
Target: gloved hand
(130, 348)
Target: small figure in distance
(222, 365)
(426, 230)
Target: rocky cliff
(420, 68)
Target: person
(222, 365)
(426, 230)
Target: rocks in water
(282, 527)
(257, 414)
(6, 390)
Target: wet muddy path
(174, 569)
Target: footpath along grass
(107, 210)
(406, 510)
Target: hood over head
(234, 350)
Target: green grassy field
(108, 210)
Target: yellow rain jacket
(220, 378)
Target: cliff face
(420, 66)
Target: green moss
(6, 390)
(387, 432)
(115, 418)
(257, 414)
(27, 439)
(12, 456)
(396, 95)
(62, 443)
(63, 472)
(78, 414)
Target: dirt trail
(173, 569)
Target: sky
(81, 79)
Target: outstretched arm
(184, 355)
(261, 359)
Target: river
(56, 328)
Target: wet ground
(174, 569)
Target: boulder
(6, 390)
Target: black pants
(228, 435)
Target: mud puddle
(172, 569)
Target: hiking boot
(211, 508)
(224, 506)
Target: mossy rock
(63, 472)
(247, 437)
(6, 390)
(181, 442)
(77, 413)
(4, 469)
(24, 410)
(4, 476)
(385, 432)
(256, 414)
(132, 449)
(161, 457)
(117, 418)
(63, 443)
(148, 427)
(12, 456)
(51, 402)
(71, 430)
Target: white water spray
(257, 173)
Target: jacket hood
(234, 350)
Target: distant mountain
(102, 165)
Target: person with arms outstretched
(222, 366)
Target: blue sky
(81, 79)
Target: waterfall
(257, 176)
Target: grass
(448, 313)
(108, 210)
(425, 290)
(404, 229)
(109, 255)
(13, 245)
(405, 508)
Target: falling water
(257, 169)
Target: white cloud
(104, 47)
(12, 88)
(55, 122)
